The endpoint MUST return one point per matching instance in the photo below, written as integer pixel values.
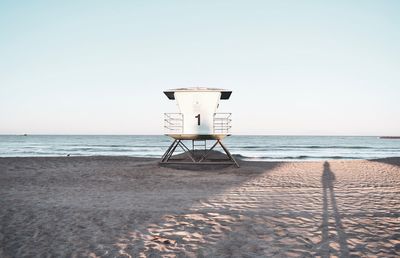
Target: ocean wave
(299, 157)
(126, 146)
(305, 147)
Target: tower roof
(225, 94)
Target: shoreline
(105, 206)
(237, 156)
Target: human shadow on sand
(329, 203)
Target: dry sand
(121, 206)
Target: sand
(131, 207)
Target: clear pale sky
(295, 67)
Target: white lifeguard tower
(198, 122)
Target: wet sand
(124, 206)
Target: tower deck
(198, 136)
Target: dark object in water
(24, 134)
(389, 137)
(163, 240)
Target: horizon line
(291, 135)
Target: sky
(295, 67)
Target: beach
(105, 206)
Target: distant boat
(25, 134)
(389, 137)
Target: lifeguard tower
(198, 122)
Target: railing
(173, 123)
(222, 123)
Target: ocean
(250, 147)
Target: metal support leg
(171, 149)
(169, 154)
(167, 151)
(228, 153)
